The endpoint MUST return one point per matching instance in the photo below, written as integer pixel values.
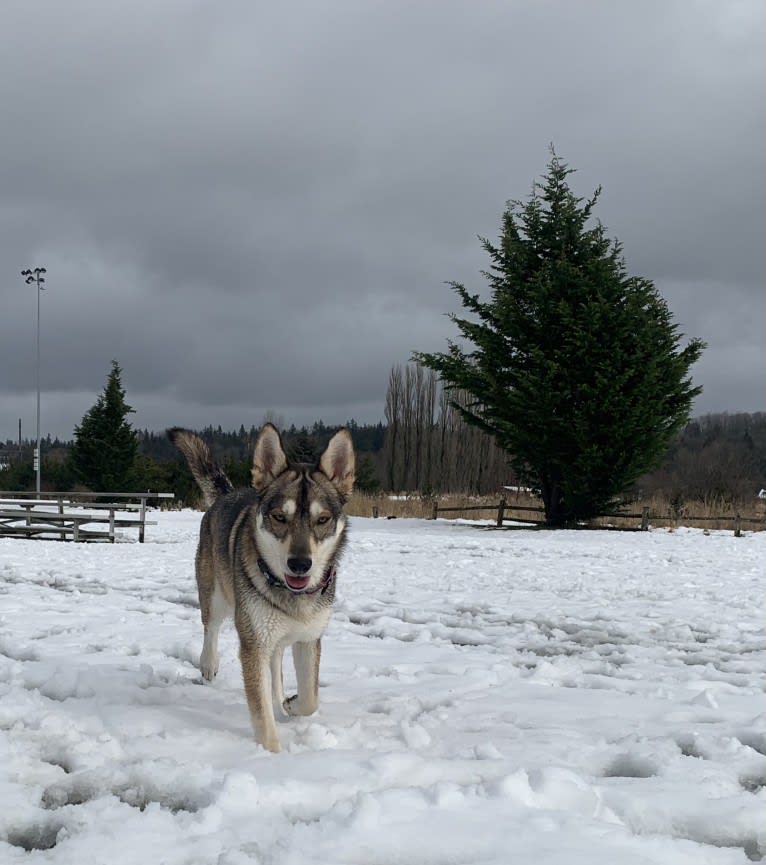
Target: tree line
(108, 455)
(717, 458)
(424, 448)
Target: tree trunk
(553, 501)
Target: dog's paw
(208, 667)
(290, 706)
(294, 708)
(271, 744)
(266, 736)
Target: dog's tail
(210, 477)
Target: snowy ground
(486, 696)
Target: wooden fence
(502, 508)
(74, 516)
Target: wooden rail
(72, 516)
(499, 509)
(644, 517)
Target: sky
(256, 208)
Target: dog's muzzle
(297, 583)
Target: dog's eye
(322, 519)
(278, 517)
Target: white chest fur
(274, 628)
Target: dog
(268, 556)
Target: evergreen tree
(366, 477)
(576, 367)
(103, 454)
(302, 447)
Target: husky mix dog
(268, 556)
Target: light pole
(36, 276)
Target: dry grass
(711, 515)
(419, 507)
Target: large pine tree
(576, 367)
(103, 455)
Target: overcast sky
(255, 207)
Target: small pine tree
(303, 448)
(576, 368)
(103, 454)
(366, 476)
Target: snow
(486, 696)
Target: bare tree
(393, 413)
(430, 450)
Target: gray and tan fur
(268, 556)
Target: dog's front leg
(277, 680)
(256, 671)
(306, 658)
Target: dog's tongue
(296, 582)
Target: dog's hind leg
(214, 610)
(306, 658)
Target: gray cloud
(256, 209)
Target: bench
(74, 516)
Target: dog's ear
(269, 458)
(338, 461)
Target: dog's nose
(299, 564)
